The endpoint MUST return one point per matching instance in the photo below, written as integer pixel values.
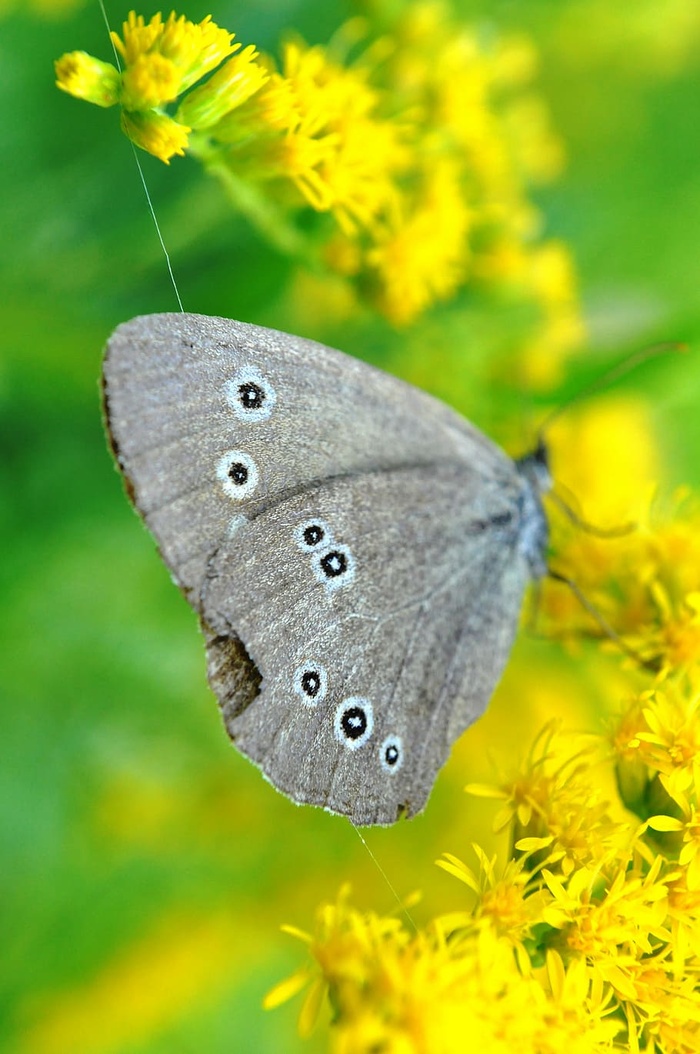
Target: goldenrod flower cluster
(420, 151)
(587, 939)
(584, 934)
(645, 584)
(162, 60)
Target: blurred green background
(145, 867)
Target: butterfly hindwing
(412, 634)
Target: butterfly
(356, 551)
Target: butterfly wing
(183, 392)
(367, 677)
(349, 543)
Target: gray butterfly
(356, 551)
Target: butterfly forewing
(183, 392)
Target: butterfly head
(534, 530)
(535, 467)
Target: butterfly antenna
(612, 634)
(609, 377)
(584, 525)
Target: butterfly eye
(238, 474)
(391, 754)
(250, 395)
(335, 566)
(311, 683)
(353, 722)
(312, 535)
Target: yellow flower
(613, 573)
(149, 81)
(679, 633)
(406, 994)
(510, 904)
(157, 133)
(689, 827)
(236, 81)
(421, 148)
(669, 739)
(192, 49)
(514, 62)
(421, 256)
(161, 60)
(646, 581)
(549, 271)
(663, 1012)
(629, 914)
(690, 853)
(324, 93)
(592, 949)
(586, 939)
(479, 109)
(684, 916)
(333, 146)
(537, 151)
(543, 274)
(277, 105)
(554, 806)
(87, 78)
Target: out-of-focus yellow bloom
(549, 274)
(604, 453)
(538, 152)
(680, 632)
(515, 62)
(477, 113)
(277, 106)
(422, 256)
(542, 275)
(646, 582)
(334, 146)
(553, 807)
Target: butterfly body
(356, 551)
